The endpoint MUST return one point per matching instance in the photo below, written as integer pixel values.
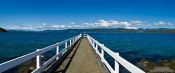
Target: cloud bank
(98, 24)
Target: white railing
(118, 59)
(17, 61)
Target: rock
(2, 30)
(27, 67)
(164, 66)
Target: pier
(81, 54)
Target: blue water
(17, 43)
(132, 46)
(140, 45)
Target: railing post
(38, 60)
(65, 45)
(102, 54)
(81, 35)
(96, 47)
(116, 64)
(93, 44)
(74, 39)
(89, 39)
(70, 42)
(57, 52)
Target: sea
(131, 46)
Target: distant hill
(123, 30)
(2, 30)
(109, 30)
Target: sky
(85, 14)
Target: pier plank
(84, 61)
(81, 59)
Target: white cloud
(41, 27)
(98, 24)
(131, 28)
(162, 24)
(21, 27)
(118, 24)
(72, 23)
(103, 23)
(139, 23)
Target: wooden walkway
(81, 59)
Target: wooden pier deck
(81, 59)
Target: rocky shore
(163, 66)
(27, 67)
(2, 30)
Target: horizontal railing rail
(19, 60)
(118, 59)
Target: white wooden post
(116, 64)
(81, 35)
(93, 44)
(91, 41)
(74, 39)
(38, 60)
(65, 45)
(57, 52)
(102, 53)
(70, 42)
(96, 47)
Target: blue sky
(60, 14)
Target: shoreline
(164, 66)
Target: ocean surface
(131, 46)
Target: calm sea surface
(131, 46)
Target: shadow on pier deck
(81, 59)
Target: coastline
(2, 30)
(165, 66)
